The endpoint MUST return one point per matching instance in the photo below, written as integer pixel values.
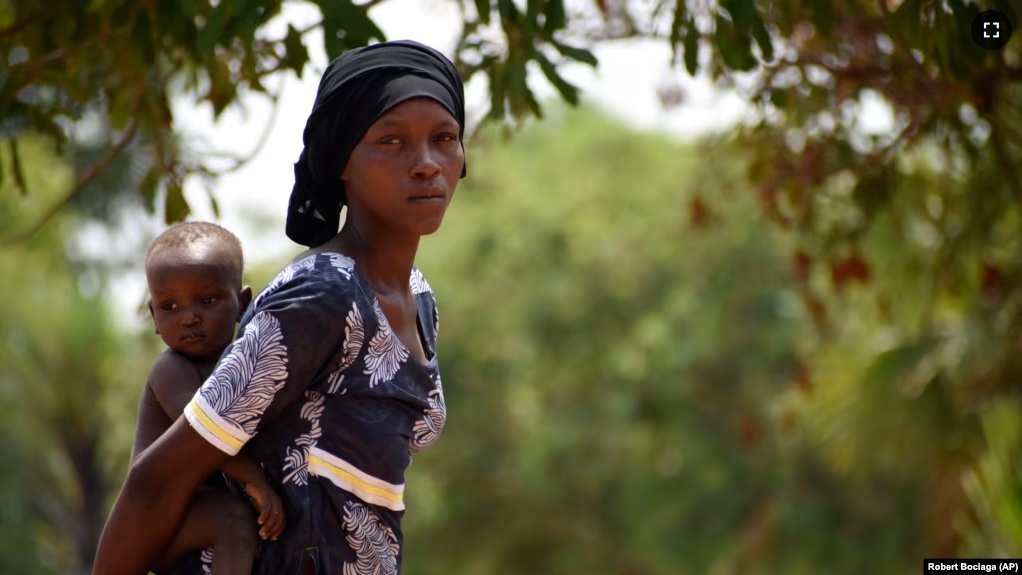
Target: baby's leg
(219, 520)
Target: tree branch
(370, 4)
(265, 137)
(89, 176)
(13, 29)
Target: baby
(196, 300)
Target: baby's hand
(271, 509)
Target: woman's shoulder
(324, 277)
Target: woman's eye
(447, 138)
(390, 140)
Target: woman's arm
(154, 499)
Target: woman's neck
(385, 259)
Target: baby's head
(196, 295)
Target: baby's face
(196, 301)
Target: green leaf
(678, 21)
(532, 11)
(175, 204)
(6, 15)
(360, 26)
(214, 28)
(498, 90)
(246, 20)
(509, 13)
(483, 8)
(16, 169)
(149, 187)
(892, 366)
(297, 54)
(567, 90)
(520, 96)
(577, 54)
(346, 26)
(533, 104)
(734, 50)
(213, 203)
(142, 41)
(222, 90)
(968, 57)
(762, 37)
(691, 47)
(823, 15)
(742, 14)
(556, 18)
(786, 13)
(872, 192)
(333, 38)
(778, 98)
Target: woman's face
(402, 174)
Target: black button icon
(991, 30)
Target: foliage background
(789, 348)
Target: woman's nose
(425, 166)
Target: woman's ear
(244, 300)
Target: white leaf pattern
(418, 282)
(207, 560)
(343, 264)
(296, 463)
(287, 274)
(436, 318)
(374, 544)
(429, 427)
(354, 337)
(385, 351)
(248, 378)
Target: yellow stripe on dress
(201, 421)
(346, 476)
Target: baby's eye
(169, 306)
(209, 300)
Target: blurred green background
(771, 350)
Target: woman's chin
(428, 226)
(429, 230)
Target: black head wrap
(357, 88)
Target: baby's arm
(151, 423)
(174, 381)
(250, 475)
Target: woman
(333, 380)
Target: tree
(70, 380)
(809, 58)
(624, 388)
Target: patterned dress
(319, 390)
